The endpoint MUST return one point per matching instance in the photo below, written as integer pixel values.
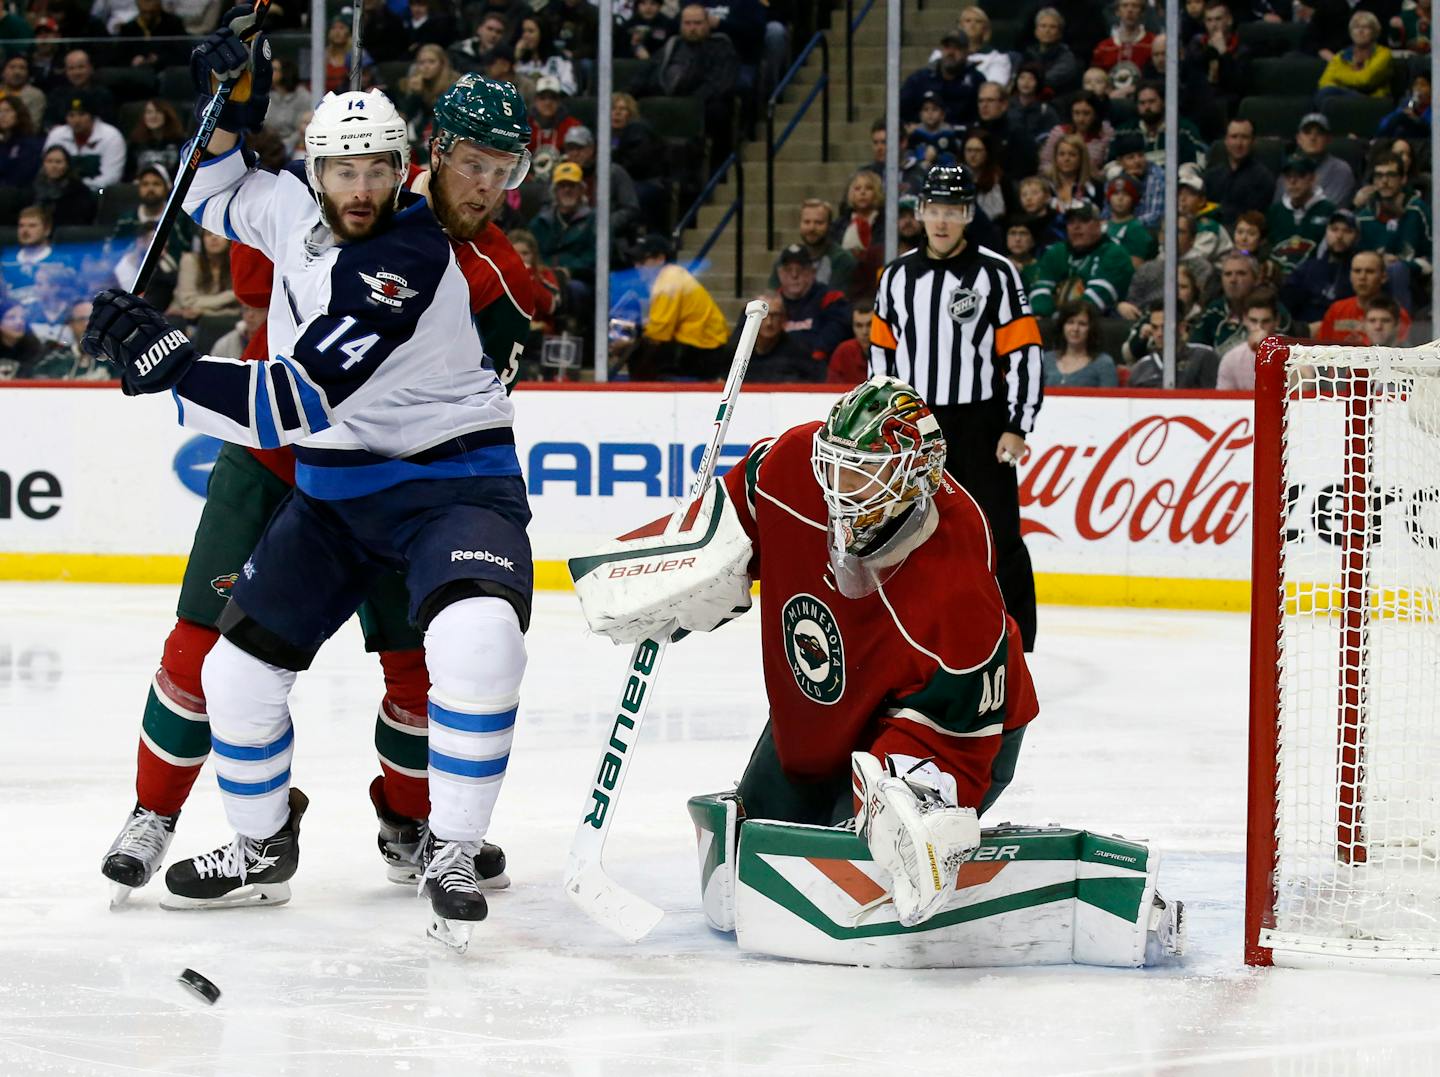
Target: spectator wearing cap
(1128, 152)
(1087, 121)
(550, 121)
(1323, 276)
(579, 147)
(1333, 176)
(1329, 29)
(1122, 195)
(339, 54)
(96, 149)
(950, 78)
(15, 84)
(816, 316)
(1029, 111)
(47, 57)
(1060, 69)
(152, 189)
(1362, 69)
(1344, 321)
(1396, 222)
(1128, 40)
(685, 332)
(1222, 324)
(910, 235)
(702, 64)
(137, 36)
(1297, 221)
(1013, 146)
(536, 56)
(78, 82)
(565, 230)
(1150, 126)
(645, 32)
(468, 56)
(32, 249)
(1211, 239)
(834, 265)
(1088, 265)
(1240, 182)
(933, 141)
(780, 357)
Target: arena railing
(735, 211)
(774, 145)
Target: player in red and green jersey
(897, 684)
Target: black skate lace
(453, 865)
(144, 836)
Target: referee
(952, 320)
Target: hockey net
(1344, 865)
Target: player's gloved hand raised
(237, 51)
(909, 820)
(151, 354)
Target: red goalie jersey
(929, 665)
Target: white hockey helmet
(354, 124)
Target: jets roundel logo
(813, 648)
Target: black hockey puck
(202, 988)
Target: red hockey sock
(401, 733)
(174, 732)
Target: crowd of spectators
(1306, 225)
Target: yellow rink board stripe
(1051, 588)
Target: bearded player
(480, 124)
(898, 689)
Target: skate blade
(255, 894)
(452, 933)
(119, 894)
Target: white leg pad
(475, 654)
(251, 737)
(715, 816)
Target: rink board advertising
(1139, 499)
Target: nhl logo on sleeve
(388, 289)
(813, 648)
(964, 304)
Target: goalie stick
(189, 163)
(603, 899)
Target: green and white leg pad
(1027, 896)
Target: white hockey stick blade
(611, 905)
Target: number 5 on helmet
(649, 584)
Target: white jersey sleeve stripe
(915, 716)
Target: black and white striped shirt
(960, 331)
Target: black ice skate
(248, 871)
(402, 843)
(451, 883)
(137, 852)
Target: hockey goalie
(899, 697)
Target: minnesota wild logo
(813, 648)
(222, 584)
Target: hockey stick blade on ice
(603, 899)
(191, 156)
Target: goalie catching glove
(649, 584)
(151, 354)
(914, 830)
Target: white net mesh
(1358, 767)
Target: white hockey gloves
(648, 584)
(914, 829)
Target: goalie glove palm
(151, 354)
(648, 584)
(914, 830)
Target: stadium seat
(82, 233)
(129, 83)
(1278, 76)
(583, 109)
(675, 117)
(1271, 38)
(12, 201)
(9, 236)
(1122, 113)
(115, 201)
(625, 73)
(392, 75)
(1113, 332)
(211, 328)
(1356, 115)
(1351, 151)
(1003, 34)
(175, 84)
(130, 113)
(1277, 116)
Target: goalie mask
(879, 458)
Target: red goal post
(1343, 861)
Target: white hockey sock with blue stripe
(251, 737)
(476, 657)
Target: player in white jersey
(405, 460)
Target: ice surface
(1142, 732)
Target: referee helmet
(951, 185)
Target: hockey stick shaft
(189, 164)
(585, 880)
(357, 13)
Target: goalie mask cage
(1344, 807)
